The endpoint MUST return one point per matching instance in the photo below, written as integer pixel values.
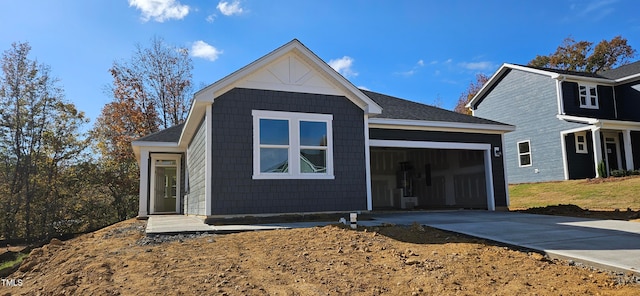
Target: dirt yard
(331, 260)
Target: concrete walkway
(608, 244)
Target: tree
(473, 88)
(39, 137)
(151, 91)
(581, 56)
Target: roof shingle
(171, 134)
(396, 108)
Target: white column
(628, 150)
(597, 149)
(565, 163)
(208, 162)
(144, 183)
(367, 160)
(488, 171)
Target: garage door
(440, 177)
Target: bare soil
(576, 211)
(331, 260)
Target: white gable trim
(553, 75)
(328, 81)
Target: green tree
(39, 137)
(582, 56)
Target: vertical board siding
(195, 200)
(529, 102)
(628, 101)
(233, 189)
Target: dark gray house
(288, 134)
(567, 123)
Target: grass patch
(610, 193)
(11, 263)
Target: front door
(614, 161)
(165, 187)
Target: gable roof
(302, 58)
(612, 77)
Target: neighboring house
(567, 123)
(288, 134)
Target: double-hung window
(581, 142)
(588, 94)
(524, 153)
(292, 145)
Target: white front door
(165, 183)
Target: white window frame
(294, 119)
(588, 97)
(584, 149)
(524, 153)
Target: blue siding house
(288, 134)
(567, 123)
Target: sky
(425, 51)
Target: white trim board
(429, 145)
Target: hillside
(391, 260)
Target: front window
(524, 153)
(581, 142)
(588, 96)
(290, 145)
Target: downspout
(559, 80)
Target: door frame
(152, 187)
(616, 143)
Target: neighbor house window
(524, 153)
(588, 96)
(291, 145)
(581, 142)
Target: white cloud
(230, 8)
(363, 87)
(482, 66)
(414, 70)
(160, 10)
(201, 49)
(343, 66)
(210, 18)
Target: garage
(428, 175)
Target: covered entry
(430, 175)
(165, 183)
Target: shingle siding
(235, 192)
(196, 199)
(529, 102)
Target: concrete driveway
(608, 244)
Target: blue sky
(419, 50)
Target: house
(288, 134)
(567, 123)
